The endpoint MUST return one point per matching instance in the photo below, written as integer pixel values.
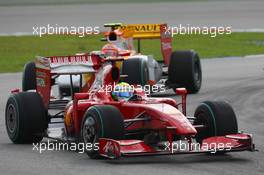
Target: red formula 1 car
(119, 120)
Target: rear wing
(142, 31)
(73, 64)
(151, 31)
(49, 67)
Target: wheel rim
(11, 118)
(201, 119)
(89, 130)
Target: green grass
(15, 51)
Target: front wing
(114, 149)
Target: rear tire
(29, 77)
(137, 71)
(26, 117)
(101, 121)
(219, 118)
(185, 71)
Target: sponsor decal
(65, 60)
(41, 82)
(40, 74)
(111, 147)
(69, 59)
(142, 27)
(166, 46)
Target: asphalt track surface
(239, 14)
(240, 81)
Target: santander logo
(111, 147)
(166, 46)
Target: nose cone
(182, 124)
(174, 118)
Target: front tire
(26, 117)
(185, 71)
(218, 117)
(101, 121)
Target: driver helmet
(122, 91)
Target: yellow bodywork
(141, 31)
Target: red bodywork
(164, 117)
(161, 115)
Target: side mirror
(181, 91)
